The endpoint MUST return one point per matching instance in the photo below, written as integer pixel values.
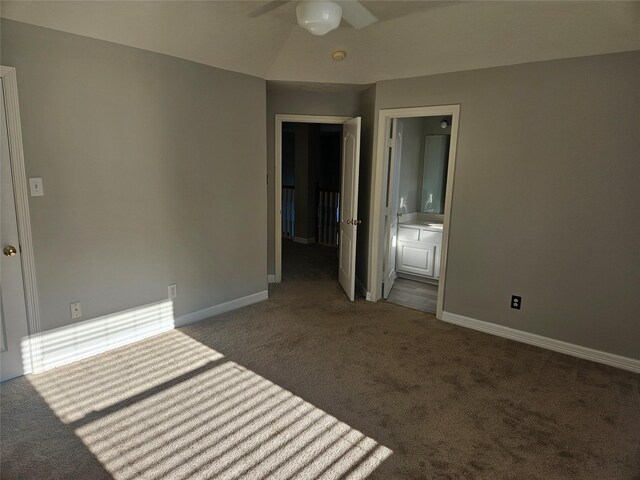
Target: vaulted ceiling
(412, 38)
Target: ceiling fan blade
(356, 14)
(268, 7)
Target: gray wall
(300, 100)
(546, 198)
(151, 167)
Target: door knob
(10, 251)
(349, 222)
(357, 222)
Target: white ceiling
(411, 39)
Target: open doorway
(416, 164)
(316, 190)
(311, 164)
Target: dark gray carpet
(375, 390)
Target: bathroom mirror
(434, 174)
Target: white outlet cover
(76, 310)
(173, 290)
(36, 187)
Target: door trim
(377, 226)
(19, 177)
(280, 119)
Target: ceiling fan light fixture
(318, 17)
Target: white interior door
(391, 206)
(349, 206)
(13, 314)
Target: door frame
(378, 194)
(280, 119)
(20, 191)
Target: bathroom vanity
(419, 166)
(419, 247)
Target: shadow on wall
(171, 407)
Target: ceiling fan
(320, 17)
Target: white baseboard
(363, 290)
(611, 359)
(85, 339)
(221, 308)
(271, 278)
(304, 240)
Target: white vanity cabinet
(418, 250)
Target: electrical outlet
(516, 302)
(35, 185)
(173, 291)
(76, 310)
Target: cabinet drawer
(408, 233)
(431, 237)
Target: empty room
(350, 239)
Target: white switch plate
(35, 184)
(76, 310)
(173, 291)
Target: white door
(391, 206)
(13, 314)
(349, 207)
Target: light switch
(36, 187)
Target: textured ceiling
(411, 38)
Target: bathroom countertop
(433, 226)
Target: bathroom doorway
(412, 192)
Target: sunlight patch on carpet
(171, 407)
